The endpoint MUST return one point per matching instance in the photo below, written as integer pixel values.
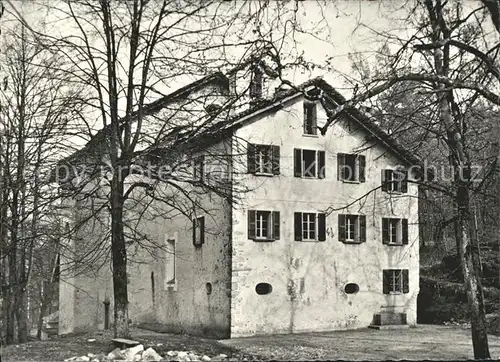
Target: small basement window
(351, 288)
(263, 288)
(208, 286)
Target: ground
(424, 342)
(420, 343)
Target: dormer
(256, 84)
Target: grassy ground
(60, 348)
(426, 342)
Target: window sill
(396, 293)
(310, 241)
(350, 182)
(395, 192)
(310, 135)
(395, 244)
(171, 286)
(352, 242)
(264, 174)
(262, 240)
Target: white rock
(183, 356)
(206, 359)
(171, 353)
(193, 356)
(115, 354)
(91, 340)
(80, 359)
(151, 355)
(222, 355)
(130, 353)
(90, 355)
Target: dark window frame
(273, 225)
(254, 164)
(199, 227)
(357, 174)
(310, 125)
(319, 226)
(199, 168)
(392, 225)
(359, 222)
(319, 164)
(398, 185)
(395, 281)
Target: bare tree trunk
(469, 256)
(119, 253)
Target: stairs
(51, 325)
(389, 320)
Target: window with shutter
(309, 163)
(256, 84)
(351, 167)
(263, 159)
(352, 229)
(198, 168)
(199, 231)
(395, 281)
(310, 118)
(310, 226)
(394, 231)
(263, 225)
(395, 181)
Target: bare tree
(35, 105)
(126, 53)
(451, 60)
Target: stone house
(320, 232)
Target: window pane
(349, 172)
(262, 224)
(309, 226)
(263, 159)
(309, 162)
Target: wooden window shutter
(321, 227)
(406, 284)
(195, 225)
(321, 164)
(276, 225)
(341, 227)
(315, 118)
(385, 231)
(386, 280)
(251, 158)
(276, 159)
(201, 225)
(297, 162)
(386, 175)
(340, 166)
(362, 164)
(404, 231)
(251, 224)
(298, 226)
(362, 228)
(304, 122)
(404, 183)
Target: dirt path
(420, 343)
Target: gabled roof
(335, 99)
(154, 107)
